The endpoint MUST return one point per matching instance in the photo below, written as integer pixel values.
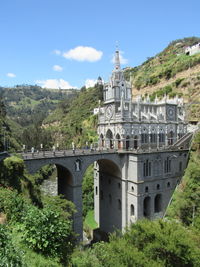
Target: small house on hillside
(192, 50)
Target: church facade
(127, 124)
(145, 134)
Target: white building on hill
(192, 50)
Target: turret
(117, 60)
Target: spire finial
(117, 45)
(117, 59)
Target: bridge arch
(64, 180)
(107, 182)
(108, 195)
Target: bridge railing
(75, 152)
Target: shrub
(12, 172)
(178, 81)
(47, 232)
(9, 255)
(12, 204)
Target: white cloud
(57, 52)
(11, 75)
(57, 68)
(123, 60)
(90, 83)
(83, 53)
(55, 84)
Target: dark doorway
(158, 203)
(147, 207)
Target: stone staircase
(184, 142)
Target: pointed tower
(115, 117)
(117, 88)
(117, 60)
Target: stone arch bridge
(128, 185)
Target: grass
(31, 258)
(89, 220)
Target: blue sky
(64, 43)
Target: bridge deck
(79, 152)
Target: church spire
(117, 60)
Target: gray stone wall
(123, 191)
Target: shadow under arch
(63, 183)
(108, 195)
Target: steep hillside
(9, 131)
(27, 104)
(170, 72)
(185, 205)
(74, 121)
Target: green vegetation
(36, 224)
(8, 253)
(89, 220)
(26, 107)
(30, 104)
(186, 205)
(36, 229)
(164, 65)
(146, 243)
(171, 73)
(48, 232)
(75, 121)
(88, 190)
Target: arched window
(135, 145)
(132, 210)
(119, 204)
(180, 166)
(167, 165)
(96, 190)
(158, 203)
(132, 188)
(153, 137)
(146, 189)
(157, 186)
(161, 136)
(109, 138)
(168, 184)
(147, 207)
(170, 138)
(127, 142)
(147, 168)
(144, 136)
(102, 144)
(118, 141)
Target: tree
(47, 232)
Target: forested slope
(75, 121)
(170, 72)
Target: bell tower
(117, 89)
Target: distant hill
(170, 72)
(24, 108)
(75, 121)
(9, 131)
(27, 104)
